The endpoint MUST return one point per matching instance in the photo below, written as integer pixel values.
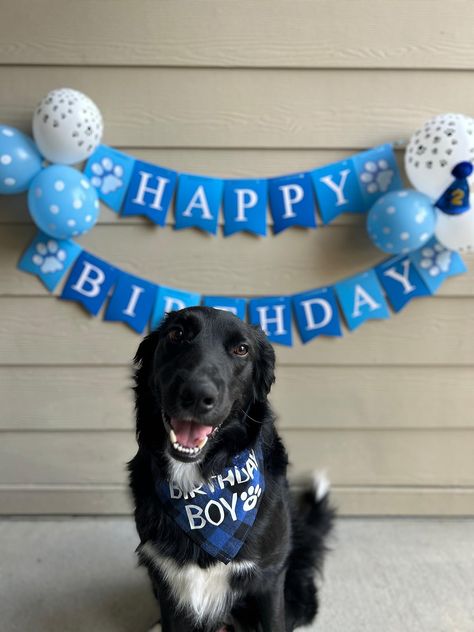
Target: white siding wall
(239, 89)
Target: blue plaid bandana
(218, 515)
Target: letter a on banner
(361, 298)
(317, 314)
(198, 201)
(89, 283)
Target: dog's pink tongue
(189, 433)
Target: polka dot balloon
(67, 126)
(437, 147)
(20, 161)
(62, 202)
(401, 221)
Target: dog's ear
(264, 367)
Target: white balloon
(67, 126)
(435, 149)
(456, 232)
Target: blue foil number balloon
(62, 202)
(401, 221)
(20, 160)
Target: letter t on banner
(89, 283)
(273, 314)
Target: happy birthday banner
(134, 187)
(139, 303)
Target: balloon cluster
(67, 128)
(438, 163)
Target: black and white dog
(226, 544)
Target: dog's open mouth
(188, 437)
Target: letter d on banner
(317, 314)
(89, 282)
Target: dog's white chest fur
(206, 593)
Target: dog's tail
(312, 520)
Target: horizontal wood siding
(240, 90)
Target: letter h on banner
(150, 192)
(273, 314)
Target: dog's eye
(241, 350)
(175, 335)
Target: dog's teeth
(202, 443)
(173, 438)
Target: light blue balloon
(62, 202)
(401, 221)
(20, 160)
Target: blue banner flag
(361, 298)
(49, 258)
(435, 264)
(337, 190)
(110, 171)
(150, 192)
(169, 299)
(317, 313)
(90, 281)
(198, 201)
(273, 314)
(400, 281)
(131, 302)
(353, 185)
(245, 206)
(237, 306)
(292, 201)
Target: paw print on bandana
(377, 176)
(435, 260)
(107, 176)
(250, 497)
(49, 257)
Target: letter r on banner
(89, 283)
(169, 299)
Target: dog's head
(200, 379)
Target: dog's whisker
(251, 418)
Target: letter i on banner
(317, 314)
(110, 171)
(150, 192)
(90, 281)
(198, 201)
(361, 298)
(131, 302)
(292, 202)
(169, 299)
(273, 314)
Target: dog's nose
(200, 397)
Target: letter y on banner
(89, 282)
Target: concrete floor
(79, 575)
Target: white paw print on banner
(49, 257)
(250, 497)
(107, 176)
(435, 260)
(377, 176)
